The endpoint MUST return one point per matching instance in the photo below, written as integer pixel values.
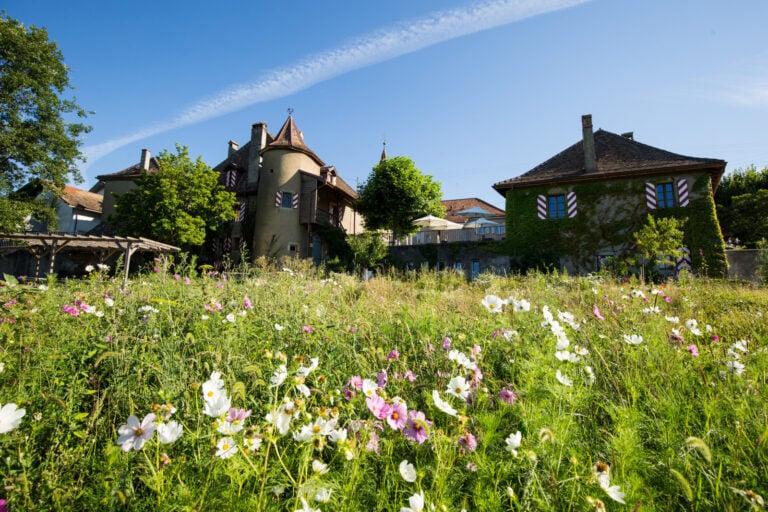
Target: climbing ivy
(608, 214)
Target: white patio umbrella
(474, 212)
(432, 222)
(480, 223)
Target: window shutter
(682, 192)
(541, 206)
(295, 200)
(684, 261)
(278, 199)
(241, 212)
(341, 213)
(650, 196)
(227, 244)
(231, 178)
(571, 204)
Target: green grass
(678, 432)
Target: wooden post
(53, 257)
(128, 253)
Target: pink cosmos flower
(447, 343)
(468, 442)
(176, 277)
(377, 406)
(417, 427)
(247, 303)
(393, 354)
(133, 434)
(667, 299)
(381, 378)
(237, 414)
(716, 338)
(352, 329)
(72, 310)
(356, 382)
(187, 280)
(476, 350)
(507, 396)
(308, 329)
(693, 349)
(596, 311)
(409, 375)
(373, 443)
(398, 416)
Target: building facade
(581, 207)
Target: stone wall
(472, 258)
(743, 264)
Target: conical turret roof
(290, 137)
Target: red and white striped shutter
(341, 213)
(278, 199)
(682, 192)
(227, 244)
(241, 212)
(685, 260)
(295, 200)
(231, 178)
(570, 200)
(650, 196)
(541, 206)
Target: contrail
(374, 48)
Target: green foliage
(597, 226)
(660, 240)
(368, 250)
(742, 204)
(679, 432)
(36, 142)
(337, 247)
(180, 204)
(395, 194)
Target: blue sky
(474, 91)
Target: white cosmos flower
(369, 387)
(217, 406)
(407, 471)
(462, 359)
(548, 318)
(563, 379)
(521, 306)
(213, 387)
(633, 339)
(693, 326)
(416, 503)
(230, 318)
(493, 303)
(304, 371)
(442, 404)
(304, 505)
(735, 367)
(458, 387)
(580, 350)
(109, 302)
(590, 374)
(279, 327)
(672, 319)
(513, 442)
(133, 434)
(282, 419)
(252, 443)
(278, 377)
(562, 341)
(564, 355)
(168, 433)
(226, 448)
(319, 467)
(323, 494)
(338, 435)
(614, 492)
(10, 418)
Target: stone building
(582, 206)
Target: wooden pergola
(41, 245)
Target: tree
(741, 204)
(660, 240)
(180, 204)
(395, 194)
(35, 140)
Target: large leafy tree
(395, 194)
(742, 204)
(180, 204)
(38, 141)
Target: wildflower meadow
(288, 389)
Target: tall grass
(677, 431)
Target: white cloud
(751, 94)
(371, 49)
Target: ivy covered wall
(608, 213)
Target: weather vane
(290, 111)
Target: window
(293, 249)
(287, 200)
(556, 206)
(458, 266)
(665, 197)
(475, 269)
(499, 230)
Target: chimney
(588, 141)
(145, 157)
(233, 147)
(258, 142)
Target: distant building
(581, 207)
(286, 193)
(78, 211)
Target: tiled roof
(78, 198)
(130, 173)
(289, 137)
(457, 205)
(617, 156)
